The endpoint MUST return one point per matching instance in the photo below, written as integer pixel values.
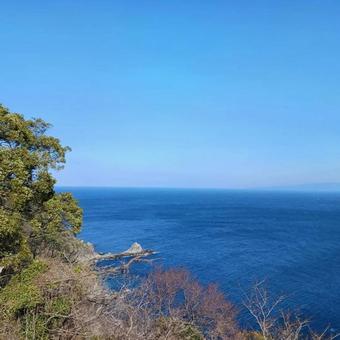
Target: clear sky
(180, 93)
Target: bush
(22, 293)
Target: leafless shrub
(324, 335)
(168, 304)
(85, 304)
(262, 307)
(173, 295)
(274, 323)
(291, 327)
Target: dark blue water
(230, 237)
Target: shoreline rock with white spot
(135, 248)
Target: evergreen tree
(32, 214)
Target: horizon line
(320, 187)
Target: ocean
(233, 238)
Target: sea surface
(233, 238)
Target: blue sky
(177, 93)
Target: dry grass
(70, 302)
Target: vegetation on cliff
(32, 215)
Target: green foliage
(32, 215)
(253, 336)
(60, 213)
(10, 236)
(34, 327)
(61, 305)
(78, 269)
(56, 311)
(33, 219)
(24, 299)
(179, 328)
(191, 333)
(22, 293)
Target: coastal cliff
(51, 286)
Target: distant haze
(241, 94)
(318, 187)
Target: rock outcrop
(135, 248)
